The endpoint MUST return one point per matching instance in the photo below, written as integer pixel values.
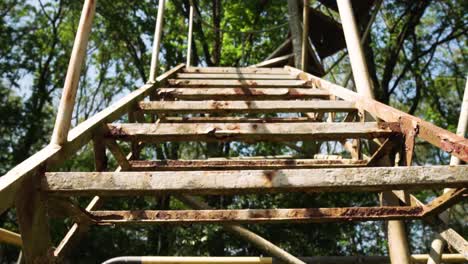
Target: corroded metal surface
(240, 93)
(237, 83)
(441, 138)
(238, 76)
(410, 130)
(248, 132)
(237, 93)
(176, 165)
(255, 181)
(445, 201)
(229, 107)
(302, 215)
(238, 70)
(233, 119)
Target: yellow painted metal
(206, 260)
(446, 258)
(11, 238)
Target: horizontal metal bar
(227, 107)
(415, 258)
(256, 76)
(216, 70)
(9, 237)
(277, 61)
(249, 132)
(189, 260)
(178, 165)
(232, 119)
(240, 93)
(248, 216)
(237, 83)
(254, 181)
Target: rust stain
(381, 211)
(117, 131)
(90, 9)
(167, 95)
(299, 214)
(253, 83)
(219, 105)
(239, 91)
(451, 147)
(393, 126)
(269, 176)
(257, 92)
(293, 93)
(233, 127)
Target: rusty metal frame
(261, 164)
(394, 126)
(246, 216)
(441, 138)
(397, 127)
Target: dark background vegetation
(417, 58)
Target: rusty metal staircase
(250, 105)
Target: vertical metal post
(33, 221)
(397, 241)
(67, 102)
(295, 27)
(190, 33)
(157, 41)
(305, 35)
(462, 121)
(437, 245)
(356, 54)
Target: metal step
(249, 132)
(228, 107)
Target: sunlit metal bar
(11, 238)
(190, 260)
(67, 102)
(438, 244)
(305, 35)
(397, 241)
(257, 216)
(416, 259)
(254, 181)
(353, 44)
(190, 36)
(157, 41)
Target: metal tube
(191, 260)
(157, 41)
(438, 243)
(356, 54)
(67, 102)
(366, 34)
(462, 121)
(11, 238)
(417, 258)
(397, 242)
(190, 33)
(305, 35)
